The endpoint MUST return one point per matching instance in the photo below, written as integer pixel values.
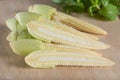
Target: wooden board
(13, 67)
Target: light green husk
(24, 17)
(44, 10)
(11, 24)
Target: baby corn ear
(77, 23)
(49, 32)
(49, 59)
(64, 27)
(66, 48)
(51, 13)
(26, 46)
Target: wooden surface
(13, 67)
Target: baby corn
(49, 38)
(64, 27)
(31, 45)
(59, 47)
(49, 59)
(77, 23)
(44, 31)
(65, 19)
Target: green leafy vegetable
(105, 2)
(73, 6)
(58, 1)
(116, 3)
(109, 12)
(105, 8)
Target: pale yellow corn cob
(40, 30)
(49, 59)
(58, 47)
(68, 29)
(77, 23)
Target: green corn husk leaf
(20, 27)
(44, 10)
(26, 46)
(16, 35)
(24, 17)
(11, 24)
(12, 36)
(24, 34)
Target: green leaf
(87, 4)
(92, 10)
(116, 3)
(78, 8)
(109, 12)
(57, 1)
(94, 7)
(73, 6)
(94, 2)
(105, 2)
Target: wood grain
(13, 67)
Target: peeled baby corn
(65, 48)
(31, 45)
(59, 25)
(77, 23)
(66, 19)
(44, 31)
(50, 59)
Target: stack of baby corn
(47, 37)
